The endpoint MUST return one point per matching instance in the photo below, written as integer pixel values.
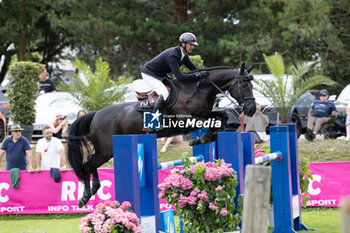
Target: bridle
(240, 78)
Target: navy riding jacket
(169, 61)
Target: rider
(170, 60)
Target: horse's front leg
(211, 134)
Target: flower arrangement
(203, 195)
(111, 217)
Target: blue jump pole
(281, 180)
(248, 150)
(144, 200)
(294, 163)
(229, 148)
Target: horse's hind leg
(95, 182)
(86, 194)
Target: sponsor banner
(39, 194)
(331, 182)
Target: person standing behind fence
(17, 148)
(347, 123)
(46, 85)
(256, 124)
(81, 113)
(319, 113)
(60, 126)
(50, 152)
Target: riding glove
(202, 74)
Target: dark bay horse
(123, 118)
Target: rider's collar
(182, 54)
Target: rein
(238, 79)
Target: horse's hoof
(194, 141)
(82, 202)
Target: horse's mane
(213, 68)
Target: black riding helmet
(188, 37)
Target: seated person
(319, 113)
(59, 127)
(257, 124)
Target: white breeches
(156, 85)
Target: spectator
(319, 113)
(171, 140)
(59, 127)
(347, 123)
(46, 85)
(50, 152)
(81, 113)
(17, 148)
(257, 124)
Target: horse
(195, 99)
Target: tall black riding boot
(159, 103)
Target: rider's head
(187, 41)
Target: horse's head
(242, 90)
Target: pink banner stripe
(39, 194)
(331, 183)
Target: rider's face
(189, 47)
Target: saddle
(146, 98)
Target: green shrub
(23, 91)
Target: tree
(25, 28)
(277, 91)
(101, 91)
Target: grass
(324, 220)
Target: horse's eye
(250, 77)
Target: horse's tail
(77, 140)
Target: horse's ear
(242, 68)
(250, 68)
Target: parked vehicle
(4, 105)
(298, 112)
(48, 105)
(343, 100)
(3, 127)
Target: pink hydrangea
(192, 200)
(111, 213)
(193, 168)
(194, 192)
(161, 194)
(126, 205)
(212, 206)
(223, 212)
(203, 196)
(182, 201)
(186, 184)
(259, 153)
(211, 165)
(212, 174)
